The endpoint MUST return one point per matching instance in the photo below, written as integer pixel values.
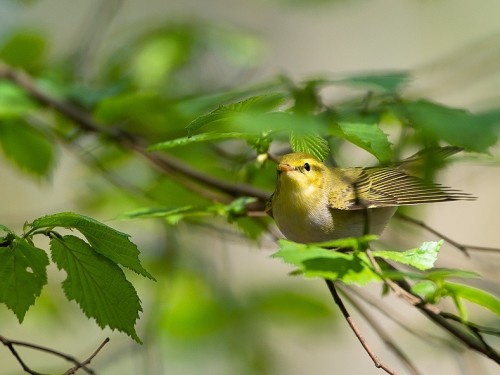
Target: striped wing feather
(386, 187)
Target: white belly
(329, 224)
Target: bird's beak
(284, 167)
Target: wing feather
(386, 187)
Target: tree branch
(459, 246)
(88, 360)
(83, 365)
(378, 363)
(165, 164)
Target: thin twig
(395, 287)
(378, 363)
(385, 337)
(472, 326)
(458, 245)
(10, 344)
(88, 360)
(391, 314)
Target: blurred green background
(221, 305)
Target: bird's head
(300, 173)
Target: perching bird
(314, 203)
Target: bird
(313, 203)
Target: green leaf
(310, 143)
(367, 136)
(105, 240)
(29, 149)
(389, 82)
(23, 273)
(314, 261)
(6, 229)
(25, 49)
(233, 210)
(354, 243)
(250, 227)
(438, 275)
(145, 110)
(432, 275)
(422, 258)
(97, 284)
(475, 295)
(456, 126)
(13, 101)
(426, 289)
(255, 104)
(171, 215)
(204, 137)
(237, 207)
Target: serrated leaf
(475, 295)
(97, 284)
(456, 126)
(367, 136)
(29, 149)
(256, 104)
(390, 82)
(23, 273)
(204, 137)
(105, 240)
(310, 143)
(422, 258)
(314, 261)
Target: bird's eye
(307, 167)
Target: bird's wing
(386, 187)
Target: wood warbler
(314, 203)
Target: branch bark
(376, 361)
(386, 338)
(12, 343)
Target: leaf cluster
(95, 278)
(331, 261)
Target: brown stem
(386, 338)
(88, 360)
(11, 343)
(378, 363)
(459, 246)
(391, 314)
